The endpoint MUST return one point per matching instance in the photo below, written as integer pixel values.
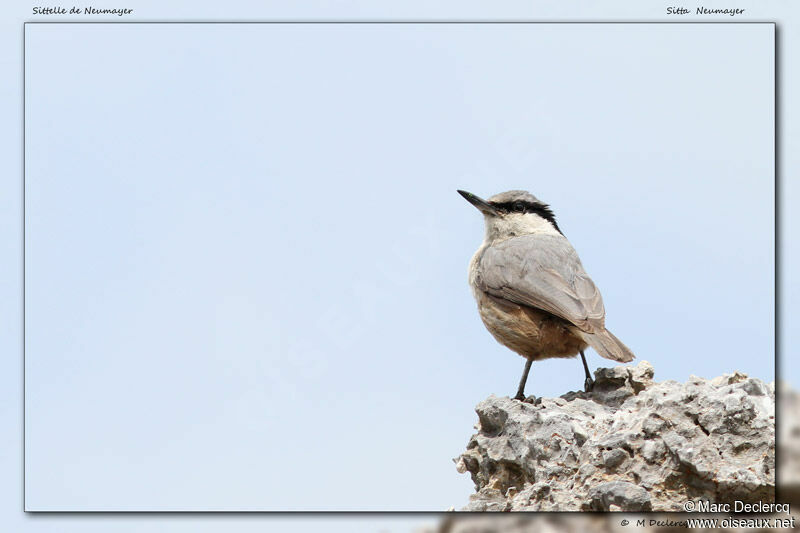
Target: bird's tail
(608, 346)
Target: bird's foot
(528, 399)
(588, 385)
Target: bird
(532, 291)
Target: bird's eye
(519, 207)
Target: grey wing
(544, 272)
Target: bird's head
(514, 213)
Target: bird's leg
(589, 383)
(521, 390)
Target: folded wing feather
(544, 272)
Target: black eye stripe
(530, 207)
(543, 210)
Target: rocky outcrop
(629, 445)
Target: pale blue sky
(183, 369)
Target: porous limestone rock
(629, 445)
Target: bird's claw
(588, 385)
(533, 400)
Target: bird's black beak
(483, 206)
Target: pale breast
(529, 332)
